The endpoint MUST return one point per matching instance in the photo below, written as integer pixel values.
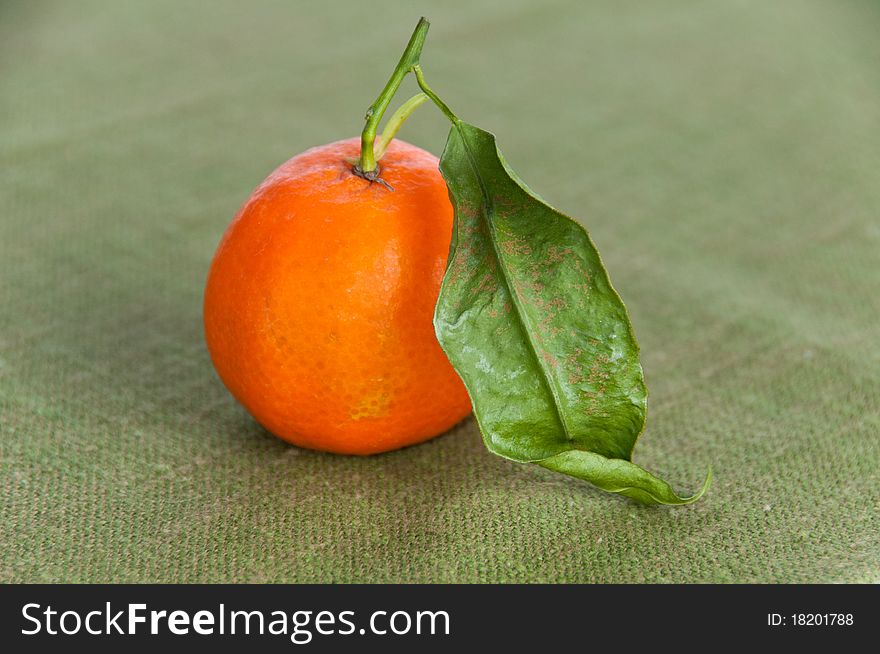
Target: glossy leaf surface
(530, 321)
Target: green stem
(409, 59)
(420, 78)
(394, 123)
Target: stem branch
(394, 123)
(420, 78)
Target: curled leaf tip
(678, 501)
(620, 476)
(703, 488)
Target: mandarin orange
(319, 303)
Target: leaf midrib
(490, 208)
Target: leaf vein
(547, 378)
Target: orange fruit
(320, 298)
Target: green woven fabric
(724, 156)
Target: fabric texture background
(724, 156)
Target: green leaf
(531, 323)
